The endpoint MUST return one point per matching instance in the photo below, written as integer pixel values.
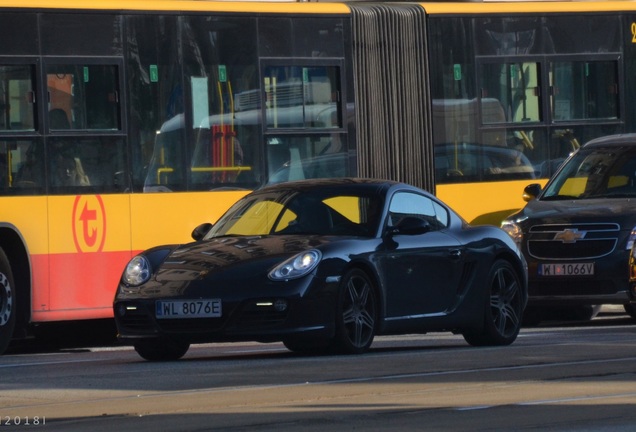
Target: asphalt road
(574, 377)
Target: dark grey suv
(577, 233)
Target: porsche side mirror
(411, 225)
(531, 192)
(199, 232)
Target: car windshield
(301, 212)
(595, 173)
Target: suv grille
(572, 241)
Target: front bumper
(254, 319)
(608, 285)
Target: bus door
(89, 217)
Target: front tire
(161, 349)
(8, 308)
(356, 313)
(504, 310)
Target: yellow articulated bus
(125, 124)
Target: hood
(233, 256)
(621, 211)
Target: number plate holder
(200, 308)
(566, 269)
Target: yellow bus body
(80, 244)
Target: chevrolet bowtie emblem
(570, 235)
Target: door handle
(456, 253)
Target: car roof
(330, 182)
(620, 140)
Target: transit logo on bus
(89, 223)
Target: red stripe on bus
(80, 285)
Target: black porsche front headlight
(137, 271)
(297, 266)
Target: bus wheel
(7, 302)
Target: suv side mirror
(531, 192)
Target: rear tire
(8, 309)
(161, 349)
(504, 308)
(356, 314)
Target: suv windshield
(608, 172)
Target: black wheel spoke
(358, 312)
(367, 320)
(503, 301)
(348, 316)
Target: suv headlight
(137, 271)
(631, 239)
(296, 266)
(514, 230)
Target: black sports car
(325, 265)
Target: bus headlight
(514, 230)
(137, 271)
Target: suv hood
(618, 210)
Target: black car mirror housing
(200, 231)
(531, 192)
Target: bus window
(222, 126)
(88, 94)
(296, 157)
(457, 120)
(301, 97)
(584, 90)
(516, 87)
(304, 98)
(98, 162)
(16, 98)
(222, 88)
(21, 167)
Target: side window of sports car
(407, 204)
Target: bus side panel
(87, 284)
(40, 298)
(470, 199)
(28, 216)
(89, 238)
(169, 218)
(92, 237)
